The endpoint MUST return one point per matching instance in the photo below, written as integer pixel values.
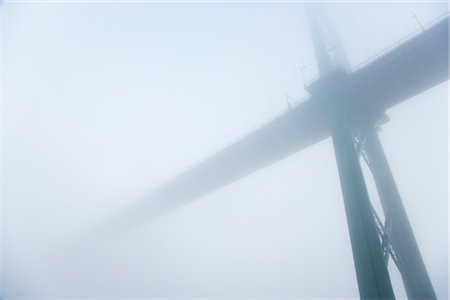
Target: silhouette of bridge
(349, 106)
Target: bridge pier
(401, 237)
(371, 271)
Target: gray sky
(104, 101)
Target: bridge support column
(371, 271)
(415, 277)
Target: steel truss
(395, 234)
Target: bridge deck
(414, 66)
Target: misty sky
(104, 101)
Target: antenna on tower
(414, 16)
(289, 101)
(302, 69)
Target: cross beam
(400, 235)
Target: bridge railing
(303, 99)
(262, 123)
(390, 48)
(395, 45)
(242, 135)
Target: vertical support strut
(371, 271)
(414, 274)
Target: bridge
(348, 105)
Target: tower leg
(371, 272)
(414, 274)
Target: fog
(104, 102)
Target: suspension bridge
(349, 105)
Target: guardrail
(391, 47)
(298, 102)
(398, 43)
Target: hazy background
(104, 101)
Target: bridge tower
(372, 241)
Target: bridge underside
(411, 68)
(340, 103)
